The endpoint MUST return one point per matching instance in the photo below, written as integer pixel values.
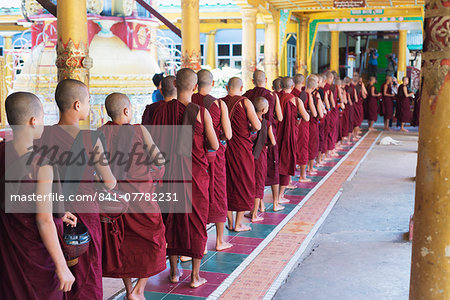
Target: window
(291, 59)
(229, 55)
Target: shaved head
(168, 86)
(115, 103)
(276, 84)
(287, 83)
(21, 107)
(205, 78)
(234, 83)
(186, 80)
(259, 78)
(68, 91)
(261, 104)
(312, 82)
(299, 79)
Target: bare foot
(291, 186)
(135, 297)
(283, 200)
(229, 228)
(387, 129)
(278, 208)
(175, 278)
(257, 219)
(404, 130)
(262, 207)
(195, 283)
(223, 246)
(185, 258)
(304, 180)
(242, 228)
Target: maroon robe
(416, 113)
(287, 135)
(388, 103)
(88, 271)
(361, 102)
(372, 104)
(273, 172)
(186, 232)
(403, 106)
(142, 252)
(261, 165)
(240, 161)
(27, 270)
(303, 134)
(217, 167)
(314, 138)
(149, 111)
(331, 120)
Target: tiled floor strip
(258, 277)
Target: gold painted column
(9, 59)
(190, 32)
(248, 46)
(211, 49)
(402, 48)
(334, 51)
(430, 268)
(302, 47)
(72, 50)
(271, 51)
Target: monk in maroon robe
(72, 98)
(299, 82)
(333, 117)
(33, 264)
(262, 139)
(388, 101)
(142, 248)
(314, 134)
(416, 112)
(240, 162)
(287, 133)
(344, 114)
(186, 232)
(404, 104)
(217, 166)
(169, 92)
(372, 102)
(273, 116)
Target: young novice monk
(142, 246)
(372, 102)
(264, 137)
(72, 98)
(32, 262)
(217, 167)
(240, 161)
(186, 232)
(273, 116)
(168, 91)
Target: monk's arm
(312, 107)
(102, 167)
(225, 121)
(302, 110)
(47, 228)
(363, 90)
(327, 102)
(252, 116)
(211, 137)
(405, 91)
(272, 139)
(278, 112)
(332, 100)
(320, 109)
(355, 96)
(151, 148)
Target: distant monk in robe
(404, 104)
(287, 134)
(317, 114)
(186, 232)
(333, 115)
(372, 102)
(299, 82)
(142, 246)
(32, 262)
(273, 116)
(343, 115)
(388, 101)
(240, 162)
(350, 107)
(263, 138)
(217, 166)
(168, 91)
(323, 122)
(276, 85)
(72, 98)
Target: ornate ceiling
(303, 5)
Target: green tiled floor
(160, 296)
(258, 230)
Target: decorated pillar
(9, 59)
(3, 93)
(402, 48)
(190, 33)
(72, 49)
(334, 51)
(248, 45)
(271, 52)
(302, 47)
(430, 268)
(211, 49)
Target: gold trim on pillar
(73, 61)
(190, 32)
(248, 45)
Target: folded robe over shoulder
(287, 135)
(142, 249)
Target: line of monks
(240, 144)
